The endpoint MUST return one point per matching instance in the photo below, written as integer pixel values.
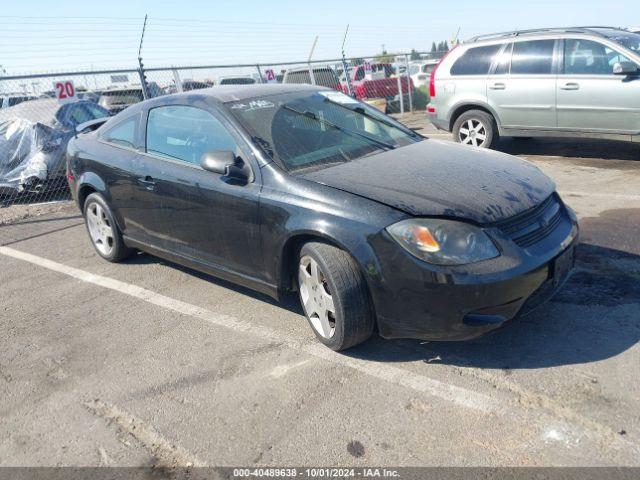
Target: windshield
(305, 130)
(627, 39)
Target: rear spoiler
(91, 125)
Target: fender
(93, 180)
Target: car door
(522, 86)
(198, 214)
(590, 96)
(124, 142)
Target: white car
(420, 71)
(12, 99)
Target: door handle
(497, 86)
(147, 182)
(570, 86)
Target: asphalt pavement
(149, 363)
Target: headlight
(443, 242)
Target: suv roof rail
(516, 33)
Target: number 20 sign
(65, 91)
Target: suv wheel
(476, 128)
(334, 296)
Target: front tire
(475, 128)
(103, 231)
(334, 296)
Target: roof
(42, 111)
(595, 30)
(230, 93)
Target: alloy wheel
(316, 297)
(100, 229)
(473, 132)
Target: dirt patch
(20, 212)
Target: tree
(434, 49)
(414, 55)
(384, 57)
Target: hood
(437, 178)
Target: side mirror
(624, 68)
(224, 162)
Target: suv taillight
(432, 83)
(432, 77)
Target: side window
(186, 133)
(532, 58)
(124, 133)
(586, 57)
(475, 61)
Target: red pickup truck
(378, 81)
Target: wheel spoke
(315, 272)
(481, 136)
(324, 327)
(467, 140)
(474, 141)
(328, 304)
(464, 131)
(470, 125)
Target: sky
(48, 36)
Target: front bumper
(420, 301)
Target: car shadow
(592, 318)
(572, 148)
(289, 302)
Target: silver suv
(562, 82)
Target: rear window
(121, 97)
(237, 81)
(324, 77)
(475, 61)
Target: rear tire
(475, 128)
(103, 231)
(334, 296)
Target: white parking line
(457, 395)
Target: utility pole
(345, 66)
(313, 47)
(143, 78)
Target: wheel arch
(89, 183)
(290, 251)
(459, 109)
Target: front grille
(531, 226)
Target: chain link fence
(39, 113)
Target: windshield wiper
(364, 113)
(311, 115)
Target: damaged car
(295, 188)
(33, 141)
